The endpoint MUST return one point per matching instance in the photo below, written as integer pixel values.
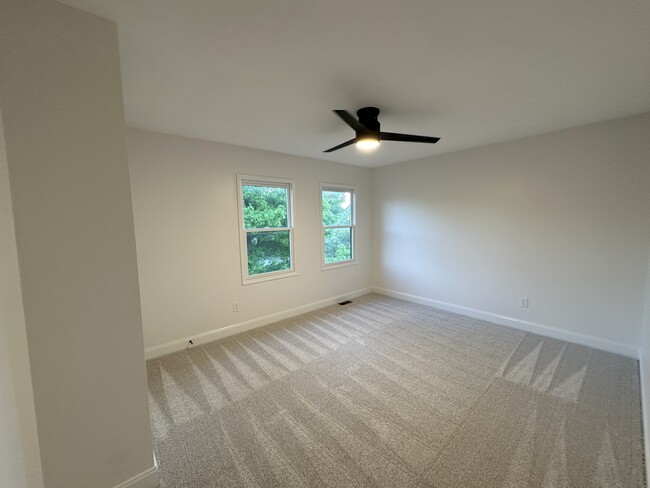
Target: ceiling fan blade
(340, 146)
(351, 121)
(393, 136)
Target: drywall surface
(187, 232)
(645, 368)
(560, 218)
(20, 462)
(61, 100)
(646, 322)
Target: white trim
(290, 185)
(545, 330)
(353, 189)
(213, 335)
(147, 479)
(338, 264)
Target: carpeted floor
(386, 393)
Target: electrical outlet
(523, 302)
(235, 307)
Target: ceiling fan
(367, 131)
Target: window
(338, 209)
(266, 228)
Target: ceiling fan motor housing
(368, 118)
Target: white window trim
(243, 248)
(353, 216)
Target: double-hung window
(266, 228)
(338, 211)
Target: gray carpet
(386, 393)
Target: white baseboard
(524, 325)
(179, 344)
(146, 479)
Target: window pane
(268, 251)
(337, 207)
(264, 206)
(338, 245)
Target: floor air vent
(345, 302)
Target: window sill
(340, 264)
(277, 275)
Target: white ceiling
(266, 74)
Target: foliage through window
(338, 209)
(267, 226)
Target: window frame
(289, 184)
(353, 225)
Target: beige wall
(561, 218)
(185, 205)
(645, 363)
(61, 101)
(20, 462)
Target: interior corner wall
(187, 233)
(560, 218)
(646, 313)
(61, 102)
(20, 462)
(645, 367)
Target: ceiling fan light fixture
(368, 131)
(367, 143)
